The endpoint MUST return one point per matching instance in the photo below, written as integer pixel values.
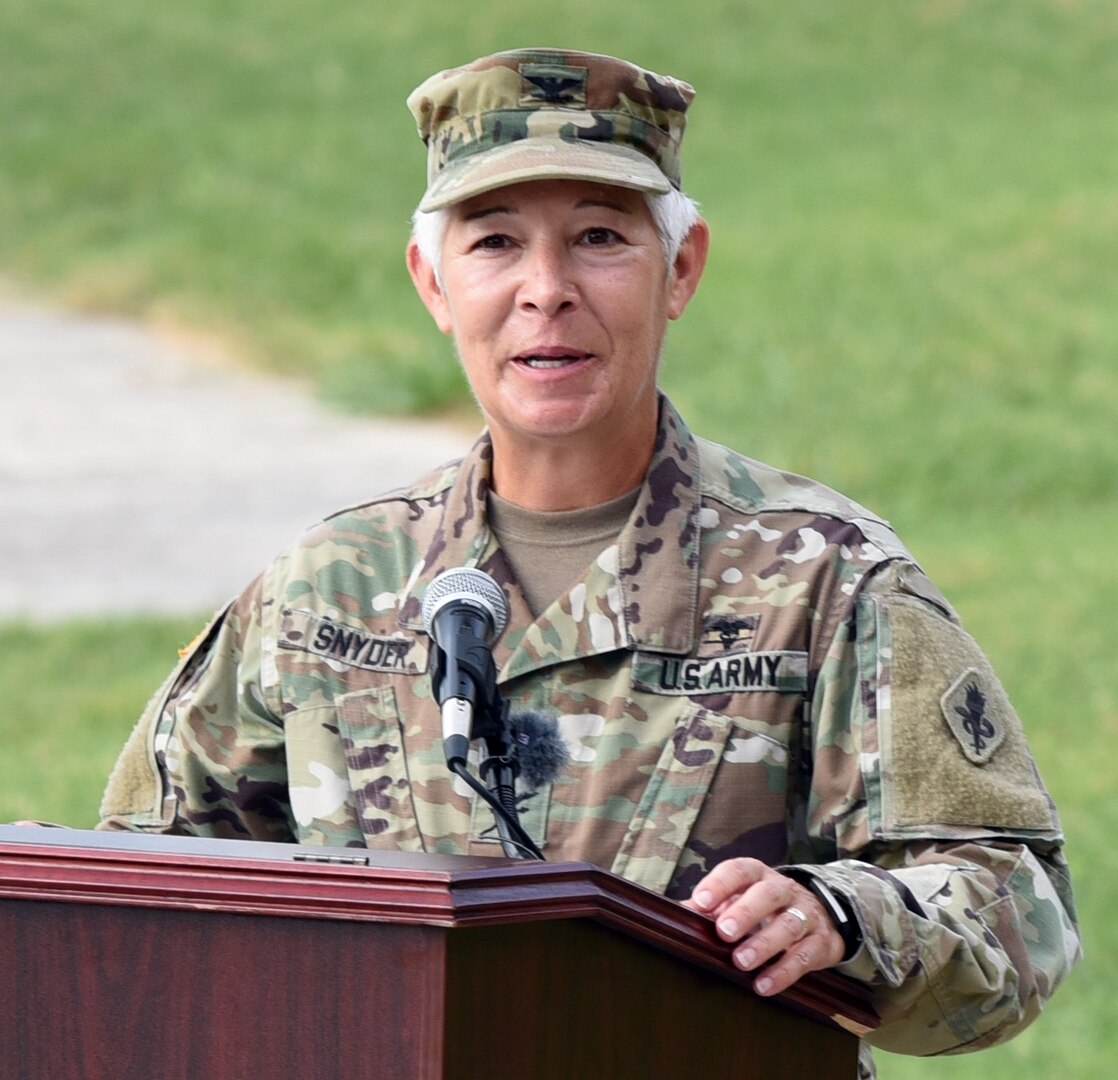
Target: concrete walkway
(134, 478)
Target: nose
(548, 284)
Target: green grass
(910, 296)
(71, 694)
(911, 203)
(1040, 594)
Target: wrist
(838, 908)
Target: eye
(601, 237)
(491, 242)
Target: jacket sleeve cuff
(872, 900)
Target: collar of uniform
(658, 564)
(658, 549)
(463, 536)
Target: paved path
(134, 478)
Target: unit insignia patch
(974, 724)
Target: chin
(551, 420)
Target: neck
(557, 474)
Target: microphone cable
(506, 818)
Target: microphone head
(466, 585)
(538, 747)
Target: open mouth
(550, 359)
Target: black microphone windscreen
(538, 747)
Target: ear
(427, 285)
(688, 268)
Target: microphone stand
(499, 769)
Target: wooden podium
(126, 957)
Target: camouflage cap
(546, 114)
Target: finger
(819, 950)
(750, 910)
(791, 967)
(727, 880)
(784, 930)
(797, 952)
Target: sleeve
(207, 756)
(930, 819)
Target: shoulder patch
(953, 756)
(972, 720)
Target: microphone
(537, 748)
(464, 612)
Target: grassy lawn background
(910, 296)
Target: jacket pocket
(372, 739)
(666, 814)
(532, 808)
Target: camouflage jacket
(755, 667)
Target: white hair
(674, 215)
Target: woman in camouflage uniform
(771, 713)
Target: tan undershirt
(548, 550)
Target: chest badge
(728, 633)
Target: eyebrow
(489, 211)
(604, 204)
(492, 211)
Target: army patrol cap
(548, 114)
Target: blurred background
(910, 297)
